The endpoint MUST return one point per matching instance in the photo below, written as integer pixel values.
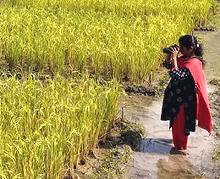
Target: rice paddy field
(47, 126)
(117, 39)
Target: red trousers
(179, 138)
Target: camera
(169, 49)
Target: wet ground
(153, 158)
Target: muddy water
(153, 158)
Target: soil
(109, 158)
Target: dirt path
(153, 160)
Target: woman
(185, 98)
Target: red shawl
(203, 110)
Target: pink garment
(203, 109)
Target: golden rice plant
(109, 44)
(194, 8)
(118, 39)
(47, 127)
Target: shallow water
(153, 158)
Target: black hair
(190, 41)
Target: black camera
(169, 49)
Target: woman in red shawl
(185, 98)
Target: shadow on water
(155, 145)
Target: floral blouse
(180, 91)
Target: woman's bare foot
(174, 151)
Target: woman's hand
(174, 56)
(175, 52)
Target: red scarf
(194, 65)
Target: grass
(114, 164)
